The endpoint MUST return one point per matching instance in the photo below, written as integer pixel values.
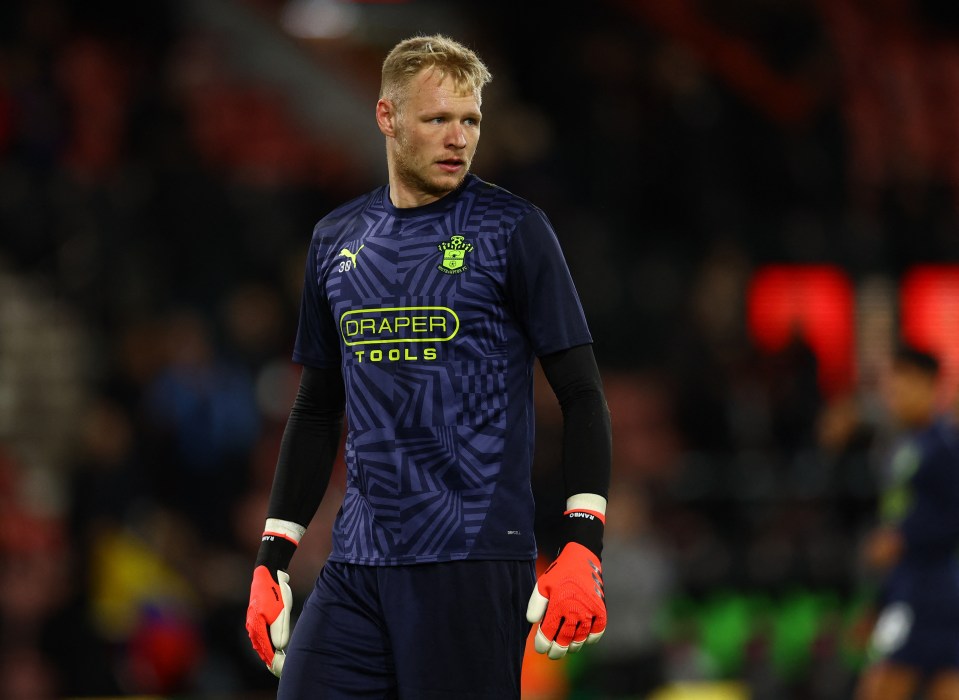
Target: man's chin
(443, 184)
(433, 184)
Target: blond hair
(450, 57)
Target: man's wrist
(286, 529)
(587, 501)
(278, 544)
(585, 527)
(585, 520)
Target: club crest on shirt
(454, 255)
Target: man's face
(911, 396)
(437, 129)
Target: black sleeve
(587, 437)
(587, 440)
(307, 453)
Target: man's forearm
(308, 448)
(587, 443)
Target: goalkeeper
(425, 304)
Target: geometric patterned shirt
(435, 315)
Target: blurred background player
(916, 637)
(424, 306)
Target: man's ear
(386, 117)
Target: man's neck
(403, 196)
(923, 422)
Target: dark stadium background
(757, 199)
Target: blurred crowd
(154, 215)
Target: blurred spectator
(846, 441)
(107, 479)
(203, 422)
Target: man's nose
(456, 136)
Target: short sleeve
(542, 295)
(317, 343)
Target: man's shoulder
(942, 435)
(341, 216)
(482, 189)
(499, 201)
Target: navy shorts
(917, 638)
(424, 631)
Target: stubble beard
(415, 177)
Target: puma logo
(352, 256)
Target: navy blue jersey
(435, 315)
(923, 504)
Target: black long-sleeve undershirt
(587, 436)
(587, 443)
(309, 445)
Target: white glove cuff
(586, 501)
(285, 528)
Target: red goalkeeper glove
(568, 601)
(271, 598)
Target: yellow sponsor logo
(399, 324)
(394, 355)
